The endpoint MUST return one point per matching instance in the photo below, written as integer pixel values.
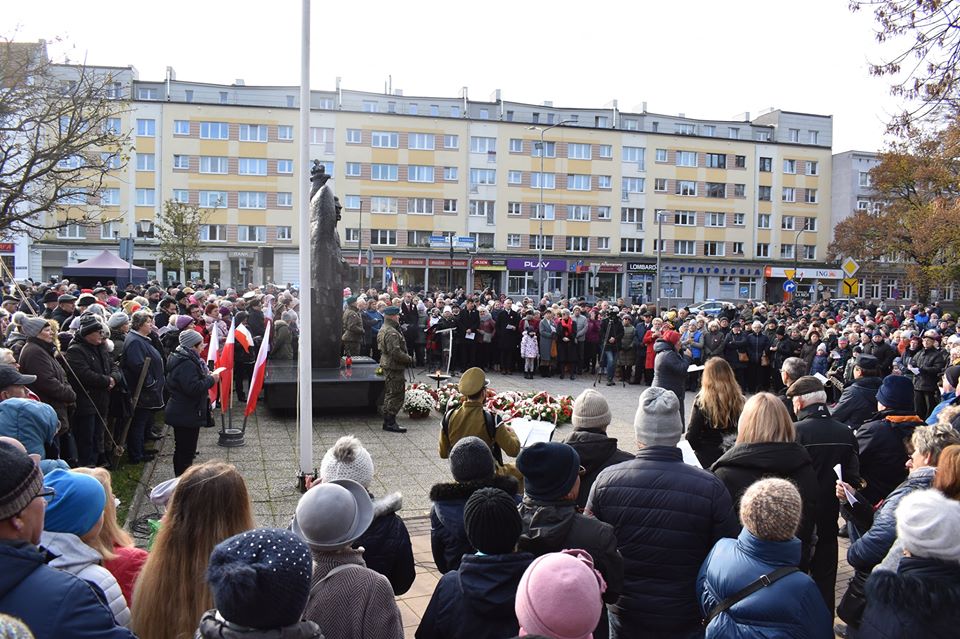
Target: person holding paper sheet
(929, 365)
(670, 367)
(713, 423)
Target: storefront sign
(352, 259)
(515, 264)
(245, 255)
(447, 263)
(6, 247)
(409, 261)
(486, 264)
(714, 269)
(641, 267)
(805, 273)
(606, 267)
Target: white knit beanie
(658, 422)
(590, 410)
(347, 459)
(927, 525)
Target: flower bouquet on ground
(432, 392)
(504, 403)
(540, 406)
(448, 397)
(417, 403)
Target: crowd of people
(803, 417)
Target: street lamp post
(540, 237)
(796, 258)
(659, 215)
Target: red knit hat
(671, 336)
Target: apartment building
(732, 206)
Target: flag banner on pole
(212, 351)
(225, 361)
(259, 370)
(268, 308)
(244, 338)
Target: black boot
(390, 424)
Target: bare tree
(60, 137)
(178, 232)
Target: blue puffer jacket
(870, 549)
(790, 608)
(54, 604)
(667, 516)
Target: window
(789, 194)
(685, 218)
(578, 244)
(181, 196)
(434, 110)
(634, 184)
(421, 141)
(247, 233)
(738, 219)
(354, 136)
(284, 233)
(71, 162)
(146, 162)
(810, 196)
(213, 199)
(714, 249)
(454, 111)
(865, 179)
(631, 245)
(739, 190)
(353, 169)
(420, 205)
(740, 161)
(251, 200)
(578, 182)
(765, 193)
(146, 197)
(255, 166)
(451, 141)
(716, 189)
(684, 247)
(794, 135)
(213, 232)
(384, 139)
(383, 205)
(549, 148)
(603, 212)
(813, 137)
(685, 129)
(514, 177)
(181, 162)
(766, 165)
(604, 182)
(450, 206)
(541, 242)
(660, 185)
(369, 106)
(716, 160)
(686, 187)
(213, 164)
(631, 215)
(419, 173)
(214, 130)
(548, 180)
(761, 136)
(578, 213)
(351, 202)
(787, 223)
(716, 219)
(661, 155)
(110, 160)
(578, 151)
(352, 235)
(70, 231)
(516, 145)
(513, 240)
(483, 240)
(285, 132)
(809, 252)
(223, 97)
(733, 133)
(284, 199)
(285, 166)
(483, 145)
(634, 154)
(606, 151)
(418, 238)
(630, 124)
(813, 167)
(786, 251)
(110, 197)
(763, 250)
(790, 166)
(384, 172)
(146, 93)
(686, 158)
(112, 126)
(763, 221)
(482, 208)
(146, 128)
(549, 212)
(107, 230)
(514, 208)
(450, 173)
(658, 246)
(863, 205)
(809, 224)
(709, 130)
(253, 132)
(483, 176)
(737, 248)
(75, 196)
(181, 127)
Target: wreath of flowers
(427, 388)
(448, 396)
(540, 406)
(417, 400)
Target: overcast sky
(703, 58)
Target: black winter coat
(884, 353)
(828, 442)
(670, 371)
(931, 362)
(90, 372)
(714, 344)
(744, 464)
(857, 402)
(732, 348)
(136, 348)
(597, 451)
(616, 332)
(188, 380)
(883, 453)
(43, 360)
(386, 544)
(786, 348)
(667, 516)
(757, 345)
(709, 441)
(509, 338)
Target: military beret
(352, 299)
(391, 310)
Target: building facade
(444, 192)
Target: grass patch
(125, 481)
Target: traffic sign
(851, 287)
(439, 241)
(594, 269)
(389, 260)
(789, 273)
(849, 266)
(789, 286)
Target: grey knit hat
(190, 338)
(590, 410)
(471, 459)
(927, 524)
(347, 459)
(770, 509)
(118, 319)
(31, 326)
(658, 422)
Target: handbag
(553, 350)
(743, 357)
(765, 360)
(762, 582)
(854, 600)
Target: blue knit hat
(78, 504)
(549, 470)
(896, 392)
(261, 578)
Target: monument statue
(329, 270)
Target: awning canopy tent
(104, 267)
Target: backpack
(489, 421)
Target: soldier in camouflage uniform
(352, 328)
(394, 360)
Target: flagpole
(305, 368)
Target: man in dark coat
(792, 369)
(611, 330)
(508, 336)
(256, 321)
(468, 323)
(667, 515)
(885, 354)
(670, 367)
(66, 307)
(858, 401)
(787, 347)
(40, 358)
(137, 347)
(929, 364)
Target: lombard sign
(641, 267)
(515, 264)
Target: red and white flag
(244, 338)
(225, 361)
(212, 350)
(259, 370)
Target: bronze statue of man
(329, 270)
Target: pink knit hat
(560, 596)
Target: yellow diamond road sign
(850, 266)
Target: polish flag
(244, 337)
(268, 308)
(259, 370)
(225, 361)
(212, 359)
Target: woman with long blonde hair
(716, 409)
(210, 504)
(767, 447)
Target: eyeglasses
(46, 492)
